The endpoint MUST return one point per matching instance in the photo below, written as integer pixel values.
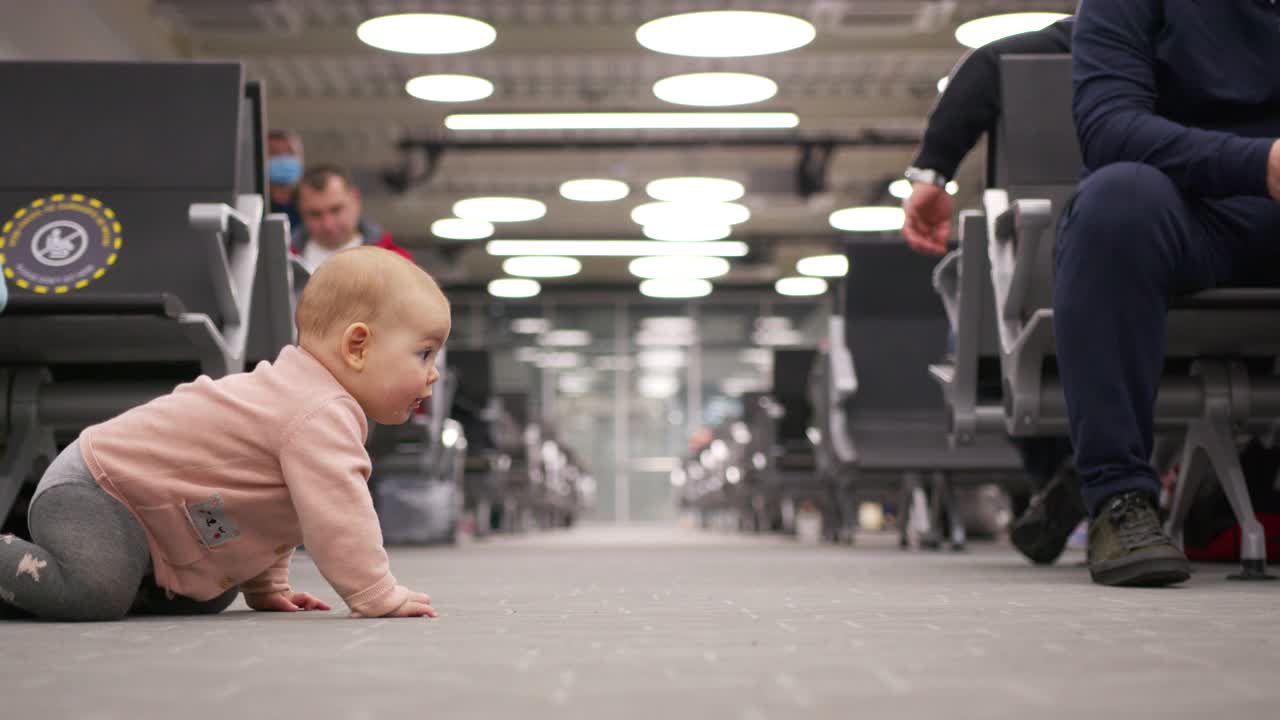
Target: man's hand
(286, 601)
(928, 222)
(1273, 171)
(417, 605)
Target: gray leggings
(88, 559)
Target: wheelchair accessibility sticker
(60, 243)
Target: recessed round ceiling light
(695, 189)
(687, 232)
(715, 89)
(530, 326)
(658, 387)
(594, 190)
(674, 213)
(799, 286)
(500, 209)
(867, 219)
(725, 33)
(542, 266)
(678, 267)
(514, 288)
(675, 288)
(449, 88)
(823, 266)
(901, 188)
(565, 338)
(461, 229)
(426, 33)
(661, 359)
(977, 33)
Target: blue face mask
(284, 169)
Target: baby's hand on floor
(417, 605)
(285, 601)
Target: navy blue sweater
(1191, 87)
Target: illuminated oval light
(715, 89)
(461, 229)
(514, 288)
(661, 359)
(679, 267)
(565, 338)
(500, 209)
(530, 326)
(542, 266)
(725, 33)
(823, 266)
(675, 288)
(449, 88)
(594, 190)
(658, 387)
(868, 219)
(800, 286)
(695, 189)
(977, 33)
(901, 188)
(675, 213)
(426, 33)
(687, 231)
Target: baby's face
(402, 359)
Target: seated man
(330, 207)
(967, 108)
(1177, 107)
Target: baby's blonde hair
(363, 284)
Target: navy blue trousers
(1128, 242)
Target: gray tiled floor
(645, 623)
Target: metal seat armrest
(231, 238)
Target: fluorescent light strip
(614, 248)
(622, 121)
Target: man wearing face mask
(284, 170)
(330, 206)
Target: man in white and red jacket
(330, 206)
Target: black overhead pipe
(422, 156)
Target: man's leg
(1042, 529)
(1127, 244)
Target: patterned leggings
(88, 559)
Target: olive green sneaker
(1127, 546)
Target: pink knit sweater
(228, 476)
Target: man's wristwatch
(921, 175)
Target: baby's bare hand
(287, 601)
(416, 605)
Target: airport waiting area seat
(131, 243)
(756, 470)
(882, 426)
(518, 475)
(1220, 375)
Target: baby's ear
(356, 340)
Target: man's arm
(969, 105)
(1113, 71)
(968, 108)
